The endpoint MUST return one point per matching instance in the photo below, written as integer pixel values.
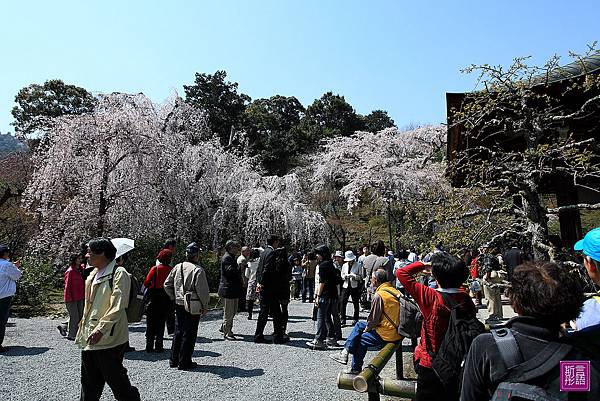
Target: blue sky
(400, 56)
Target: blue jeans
(359, 341)
(325, 326)
(308, 286)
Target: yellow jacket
(104, 309)
(386, 330)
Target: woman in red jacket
(74, 295)
(160, 302)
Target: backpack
(538, 379)
(136, 303)
(463, 327)
(411, 318)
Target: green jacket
(104, 309)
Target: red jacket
(159, 278)
(435, 314)
(74, 285)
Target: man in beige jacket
(186, 276)
(103, 333)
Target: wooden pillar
(570, 220)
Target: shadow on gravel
(301, 334)
(229, 372)
(137, 329)
(19, 350)
(208, 354)
(145, 356)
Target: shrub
(34, 287)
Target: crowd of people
(455, 356)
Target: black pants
(430, 388)
(158, 309)
(186, 331)
(355, 294)
(171, 318)
(4, 312)
(270, 304)
(283, 304)
(242, 300)
(106, 366)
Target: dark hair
(229, 245)
(123, 258)
(311, 256)
(103, 246)
(170, 242)
(272, 239)
(324, 251)
(73, 258)
(546, 291)
(254, 253)
(381, 276)
(448, 270)
(378, 248)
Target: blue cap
(192, 248)
(590, 244)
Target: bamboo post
(364, 379)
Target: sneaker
(351, 371)
(229, 336)
(340, 357)
(62, 330)
(190, 366)
(316, 345)
(332, 343)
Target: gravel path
(41, 365)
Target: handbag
(191, 300)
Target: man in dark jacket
(269, 279)
(230, 287)
(513, 258)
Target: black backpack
(538, 379)
(463, 327)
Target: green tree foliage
(377, 120)
(38, 104)
(269, 124)
(221, 101)
(328, 117)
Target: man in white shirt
(9, 275)
(352, 287)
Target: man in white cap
(590, 247)
(352, 286)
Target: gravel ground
(41, 365)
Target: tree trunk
(103, 202)
(537, 221)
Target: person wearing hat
(9, 275)
(103, 332)
(160, 303)
(186, 276)
(590, 247)
(352, 286)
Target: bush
(34, 287)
